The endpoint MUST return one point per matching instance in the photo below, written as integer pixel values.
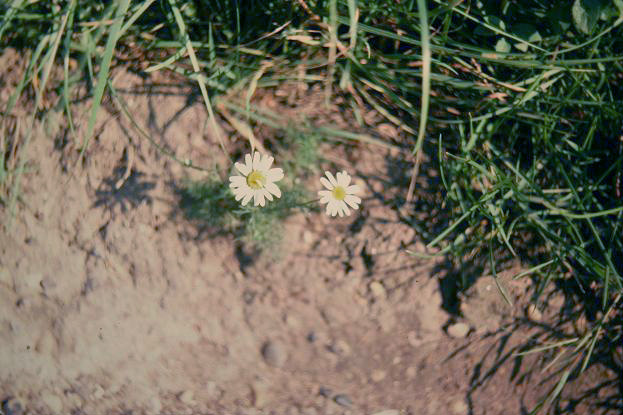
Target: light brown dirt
(110, 303)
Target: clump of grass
(211, 204)
(301, 150)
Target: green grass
(517, 104)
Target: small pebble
(343, 400)
(459, 407)
(292, 321)
(388, 412)
(187, 397)
(211, 389)
(274, 354)
(46, 343)
(377, 289)
(411, 372)
(533, 313)
(378, 375)
(458, 330)
(12, 406)
(308, 237)
(154, 405)
(413, 340)
(326, 392)
(259, 391)
(53, 402)
(341, 348)
(98, 392)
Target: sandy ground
(112, 303)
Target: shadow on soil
(597, 389)
(126, 188)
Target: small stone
(48, 285)
(388, 412)
(73, 399)
(259, 393)
(154, 405)
(378, 375)
(187, 397)
(308, 237)
(292, 321)
(326, 392)
(377, 289)
(98, 392)
(411, 372)
(420, 247)
(212, 390)
(12, 406)
(459, 407)
(341, 348)
(458, 330)
(413, 339)
(343, 400)
(5, 276)
(387, 130)
(28, 284)
(533, 313)
(53, 402)
(46, 344)
(274, 354)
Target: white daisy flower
(340, 194)
(257, 180)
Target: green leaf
(502, 46)
(619, 5)
(527, 32)
(585, 14)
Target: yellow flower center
(256, 180)
(339, 193)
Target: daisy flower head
(256, 180)
(340, 194)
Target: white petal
(353, 189)
(325, 196)
(343, 179)
(248, 161)
(272, 188)
(267, 194)
(238, 194)
(266, 162)
(256, 160)
(237, 181)
(326, 183)
(274, 175)
(345, 209)
(258, 198)
(242, 191)
(352, 201)
(331, 178)
(244, 169)
(246, 199)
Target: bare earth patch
(111, 302)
